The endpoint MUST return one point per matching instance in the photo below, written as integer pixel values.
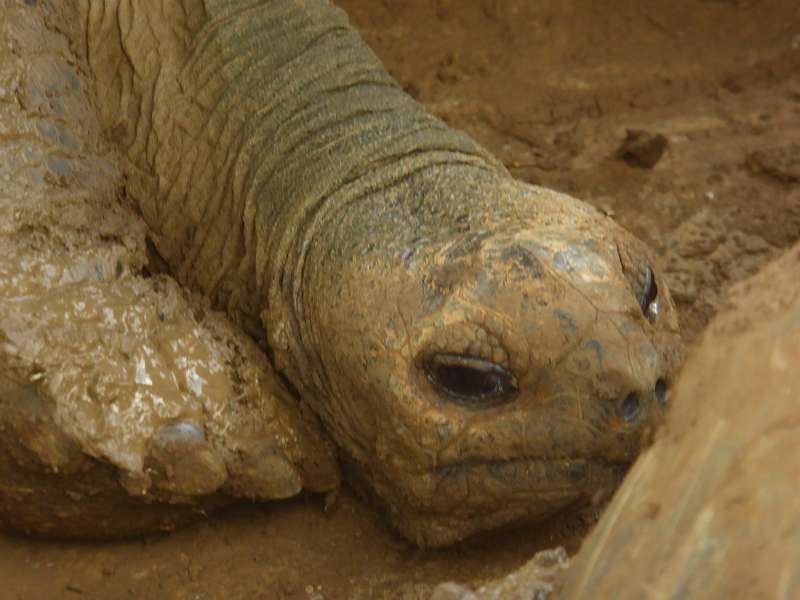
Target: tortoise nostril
(661, 392)
(630, 407)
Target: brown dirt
(552, 88)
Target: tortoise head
(502, 353)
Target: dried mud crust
(552, 88)
(101, 366)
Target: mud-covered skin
(523, 278)
(126, 405)
(383, 260)
(710, 510)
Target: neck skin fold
(245, 125)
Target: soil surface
(680, 119)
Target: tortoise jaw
(469, 499)
(526, 479)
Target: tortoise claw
(181, 461)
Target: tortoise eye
(471, 382)
(649, 296)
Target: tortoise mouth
(488, 486)
(484, 496)
(570, 468)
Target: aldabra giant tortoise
(469, 350)
(711, 509)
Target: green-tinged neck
(258, 116)
(322, 122)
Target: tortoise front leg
(126, 404)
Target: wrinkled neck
(376, 228)
(302, 110)
(243, 120)
(323, 125)
(320, 126)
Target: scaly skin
(481, 351)
(710, 510)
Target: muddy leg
(126, 405)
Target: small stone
(331, 500)
(452, 591)
(781, 164)
(607, 210)
(642, 149)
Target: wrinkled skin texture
(481, 352)
(527, 279)
(710, 510)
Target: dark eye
(472, 382)
(649, 296)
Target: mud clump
(539, 579)
(642, 149)
(781, 164)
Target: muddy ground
(552, 87)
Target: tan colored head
(484, 352)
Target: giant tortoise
(239, 261)
(711, 509)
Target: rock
(642, 149)
(781, 164)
